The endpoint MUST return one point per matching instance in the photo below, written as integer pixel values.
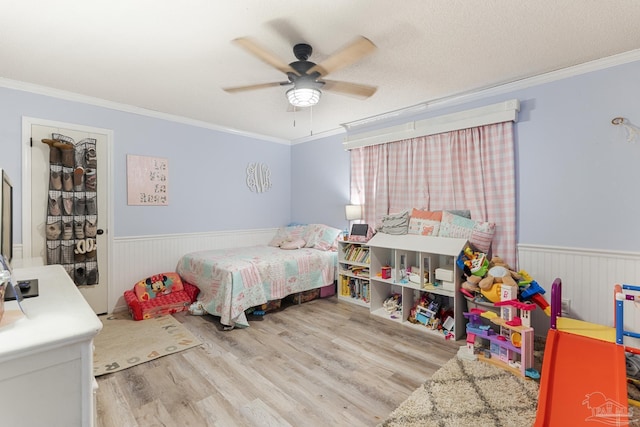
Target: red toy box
(161, 305)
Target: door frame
(27, 122)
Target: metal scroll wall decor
(258, 177)
(72, 211)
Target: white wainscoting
(17, 251)
(588, 277)
(135, 258)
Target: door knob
(100, 231)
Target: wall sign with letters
(147, 180)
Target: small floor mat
(124, 342)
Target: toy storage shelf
(353, 272)
(424, 254)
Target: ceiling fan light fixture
(303, 96)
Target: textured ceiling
(174, 57)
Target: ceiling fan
(307, 77)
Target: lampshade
(303, 96)
(353, 212)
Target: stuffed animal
(499, 272)
(471, 284)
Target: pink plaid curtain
(465, 169)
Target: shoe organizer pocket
(53, 252)
(67, 251)
(53, 229)
(55, 177)
(55, 199)
(90, 202)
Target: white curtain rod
(490, 114)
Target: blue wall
(320, 171)
(577, 177)
(207, 168)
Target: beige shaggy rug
(465, 393)
(124, 342)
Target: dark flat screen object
(359, 229)
(30, 292)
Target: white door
(69, 218)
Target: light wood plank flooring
(321, 363)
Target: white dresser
(46, 359)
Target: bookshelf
(413, 267)
(353, 272)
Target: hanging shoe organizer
(72, 211)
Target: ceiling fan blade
(346, 88)
(357, 49)
(236, 89)
(263, 54)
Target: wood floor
(321, 363)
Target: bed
(297, 259)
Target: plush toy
(471, 284)
(499, 272)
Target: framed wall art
(147, 180)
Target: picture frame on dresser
(12, 291)
(360, 233)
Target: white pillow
(295, 244)
(480, 233)
(287, 234)
(322, 237)
(456, 226)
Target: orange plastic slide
(583, 382)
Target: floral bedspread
(233, 280)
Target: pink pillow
(417, 213)
(482, 235)
(157, 285)
(425, 223)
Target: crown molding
(99, 102)
(448, 101)
(321, 135)
(499, 89)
